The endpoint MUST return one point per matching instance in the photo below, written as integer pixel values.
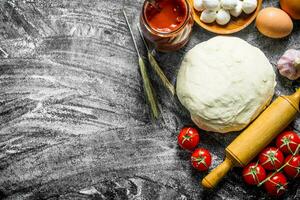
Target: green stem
(148, 89)
(155, 66)
(161, 74)
(278, 170)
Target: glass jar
(169, 38)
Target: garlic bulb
(208, 16)
(223, 17)
(211, 4)
(249, 6)
(237, 10)
(198, 5)
(289, 64)
(228, 4)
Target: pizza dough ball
(228, 4)
(198, 5)
(237, 10)
(225, 83)
(249, 6)
(211, 4)
(208, 16)
(223, 17)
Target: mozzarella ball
(223, 17)
(198, 5)
(208, 16)
(228, 4)
(249, 6)
(211, 4)
(237, 10)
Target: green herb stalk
(155, 66)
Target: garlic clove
(208, 16)
(249, 6)
(198, 5)
(297, 63)
(289, 64)
(237, 10)
(229, 4)
(289, 73)
(211, 4)
(223, 17)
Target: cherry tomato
(271, 158)
(188, 138)
(254, 173)
(288, 141)
(201, 159)
(276, 185)
(293, 167)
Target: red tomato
(293, 167)
(271, 158)
(201, 159)
(288, 141)
(276, 185)
(254, 173)
(188, 138)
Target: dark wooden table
(74, 123)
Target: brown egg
(292, 7)
(274, 23)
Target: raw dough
(225, 83)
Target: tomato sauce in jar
(167, 24)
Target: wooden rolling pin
(256, 136)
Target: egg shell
(274, 23)
(292, 7)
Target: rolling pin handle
(216, 175)
(297, 94)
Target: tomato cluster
(189, 139)
(280, 161)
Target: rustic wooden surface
(73, 122)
